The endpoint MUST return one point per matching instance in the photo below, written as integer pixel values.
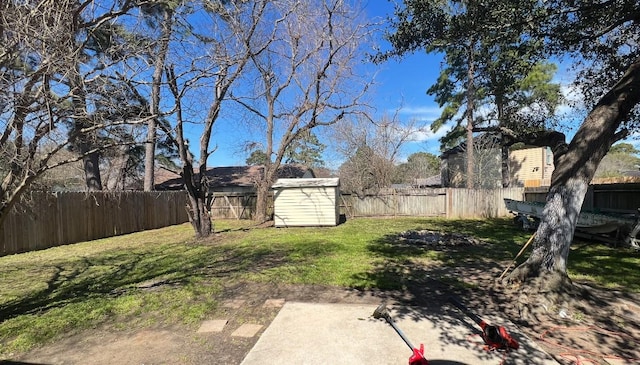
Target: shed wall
(306, 206)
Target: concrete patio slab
(312, 333)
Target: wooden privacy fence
(621, 198)
(443, 202)
(48, 220)
(233, 205)
(56, 219)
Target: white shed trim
(299, 183)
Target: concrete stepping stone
(247, 330)
(273, 303)
(216, 325)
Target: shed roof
(302, 183)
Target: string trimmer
(495, 337)
(418, 354)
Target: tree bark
(569, 182)
(84, 141)
(198, 211)
(262, 194)
(504, 148)
(152, 125)
(470, 109)
(506, 169)
(91, 163)
(262, 189)
(197, 208)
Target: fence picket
(50, 220)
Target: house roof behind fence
(227, 176)
(167, 180)
(435, 180)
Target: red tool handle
(494, 337)
(507, 339)
(418, 357)
(497, 337)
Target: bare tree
(372, 149)
(420, 166)
(305, 76)
(229, 44)
(164, 11)
(487, 163)
(45, 92)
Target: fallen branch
(518, 255)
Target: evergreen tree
(257, 157)
(306, 150)
(484, 70)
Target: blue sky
(400, 86)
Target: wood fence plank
(48, 220)
(62, 218)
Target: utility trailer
(609, 227)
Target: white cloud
(417, 122)
(426, 134)
(573, 99)
(423, 113)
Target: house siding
(531, 167)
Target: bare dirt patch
(600, 327)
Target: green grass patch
(615, 268)
(132, 278)
(165, 277)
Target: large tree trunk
(199, 216)
(152, 125)
(91, 163)
(262, 202)
(574, 170)
(470, 109)
(506, 169)
(85, 141)
(198, 210)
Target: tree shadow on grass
(427, 275)
(419, 280)
(609, 265)
(117, 272)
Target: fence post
(395, 203)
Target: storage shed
(306, 202)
